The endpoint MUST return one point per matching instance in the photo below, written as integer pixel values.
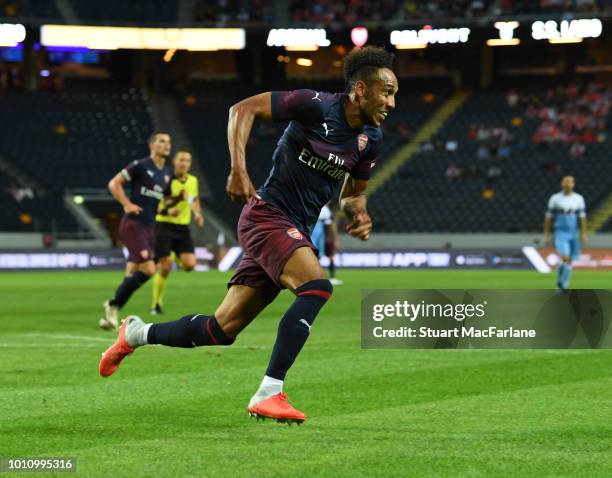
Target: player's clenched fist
(239, 187)
(361, 226)
(132, 209)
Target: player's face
(161, 145)
(379, 98)
(182, 163)
(568, 183)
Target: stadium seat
(83, 138)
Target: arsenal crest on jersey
(362, 141)
(294, 233)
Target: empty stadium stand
(74, 139)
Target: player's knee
(148, 268)
(322, 288)
(296, 280)
(565, 259)
(189, 263)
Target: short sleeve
(305, 106)
(582, 209)
(196, 188)
(363, 169)
(132, 171)
(326, 216)
(328, 220)
(192, 189)
(551, 207)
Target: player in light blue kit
(318, 233)
(324, 230)
(566, 207)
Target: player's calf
(195, 330)
(293, 331)
(190, 331)
(294, 327)
(128, 286)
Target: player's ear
(360, 89)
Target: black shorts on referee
(171, 237)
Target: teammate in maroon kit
(149, 179)
(333, 139)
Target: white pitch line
(106, 341)
(71, 337)
(44, 346)
(47, 345)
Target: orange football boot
(277, 408)
(111, 359)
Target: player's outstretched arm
(115, 186)
(241, 118)
(353, 202)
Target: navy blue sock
(129, 285)
(193, 330)
(294, 327)
(332, 269)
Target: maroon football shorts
(268, 238)
(138, 238)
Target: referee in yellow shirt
(172, 226)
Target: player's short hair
(154, 135)
(364, 63)
(182, 150)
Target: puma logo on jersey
(303, 321)
(327, 130)
(150, 173)
(316, 96)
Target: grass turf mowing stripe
(374, 413)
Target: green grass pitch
(180, 413)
